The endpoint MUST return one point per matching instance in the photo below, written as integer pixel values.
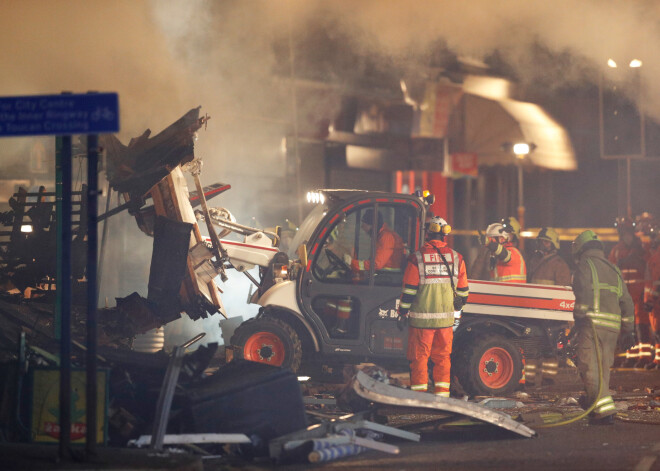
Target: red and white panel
(520, 300)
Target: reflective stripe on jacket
(427, 291)
(512, 269)
(652, 290)
(631, 260)
(600, 293)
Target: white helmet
(439, 225)
(497, 230)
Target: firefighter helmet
(439, 225)
(624, 225)
(511, 225)
(586, 237)
(645, 223)
(368, 218)
(548, 233)
(497, 230)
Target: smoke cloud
(164, 57)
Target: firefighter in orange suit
(652, 291)
(389, 254)
(629, 255)
(435, 285)
(506, 262)
(389, 257)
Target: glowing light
(611, 63)
(521, 149)
(26, 228)
(635, 63)
(315, 197)
(302, 379)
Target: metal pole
(63, 280)
(104, 236)
(601, 120)
(294, 106)
(628, 203)
(521, 204)
(92, 291)
(167, 393)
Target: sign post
(63, 116)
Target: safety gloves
(402, 321)
(459, 302)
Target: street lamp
(633, 63)
(622, 125)
(521, 150)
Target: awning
(482, 125)
(476, 116)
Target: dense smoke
(164, 57)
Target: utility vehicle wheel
(268, 340)
(492, 365)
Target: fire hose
(600, 387)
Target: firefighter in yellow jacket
(434, 287)
(603, 308)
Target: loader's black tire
(268, 340)
(490, 365)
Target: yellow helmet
(548, 233)
(439, 225)
(511, 225)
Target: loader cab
(350, 288)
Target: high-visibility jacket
(652, 296)
(427, 295)
(510, 265)
(549, 269)
(389, 252)
(631, 260)
(652, 289)
(602, 298)
(600, 294)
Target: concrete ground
(626, 445)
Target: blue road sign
(65, 114)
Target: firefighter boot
(656, 359)
(645, 346)
(549, 370)
(632, 355)
(607, 420)
(530, 370)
